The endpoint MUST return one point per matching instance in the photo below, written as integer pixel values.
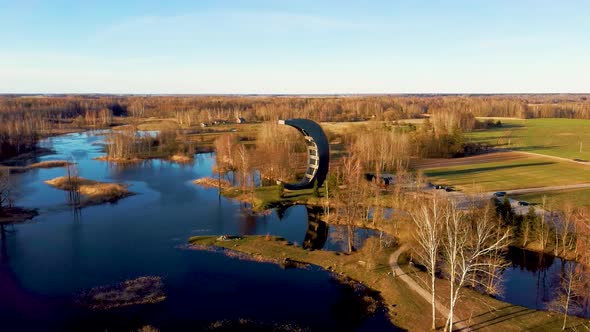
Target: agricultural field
(577, 197)
(504, 171)
(565, 138)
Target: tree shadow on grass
(485, 169)
(534, 147)
(492, 138)
(498, 316)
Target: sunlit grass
(553, 137)
(525, 172)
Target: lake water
(532, 279)
(45, 263)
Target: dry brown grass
(43, 164)
(119, 160)
(158, 124)
(212, 183)
(142, 290)
(181, 158)
(94, 192)
(50, 164)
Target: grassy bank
(262, 198)
(370, 266)
(371, 269)
(484, 313)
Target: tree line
(23, 119)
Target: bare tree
(350, 198)
(582, 227)
(73, 177)
(468, 249)
(543, 231)
(428, 219)
(4, 189)
(225, 147)
(565, 301)
(567, 224)
(244, 169)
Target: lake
(47, 262)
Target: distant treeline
(25, 118)
(338, 108)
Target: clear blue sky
(298, 46)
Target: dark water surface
(46, 262)
(533, 279)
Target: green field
(554, 137)
(556, 199)
(521, 172)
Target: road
(464, 201)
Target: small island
(92, 192)
(142, 290)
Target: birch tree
(428, 219)
(565, 301)
(468, 250)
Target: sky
(294, 46)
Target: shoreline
(235, 193)
(277, 250)
(401, 302)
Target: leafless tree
(4, 189)
(468, 249)
(350, 199)
(565, 301)
(543, 231)
(428, 219)
(567, 227)
(73, 178)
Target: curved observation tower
(318, 153)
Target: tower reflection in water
(317, 230)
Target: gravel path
(399, 273)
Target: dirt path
(494, 156)
(533, 154)
(550, 188)
(399, 273)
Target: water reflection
(304, 225)
(3, 249)
(317, 230)
(45, 263)
(533, 279)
